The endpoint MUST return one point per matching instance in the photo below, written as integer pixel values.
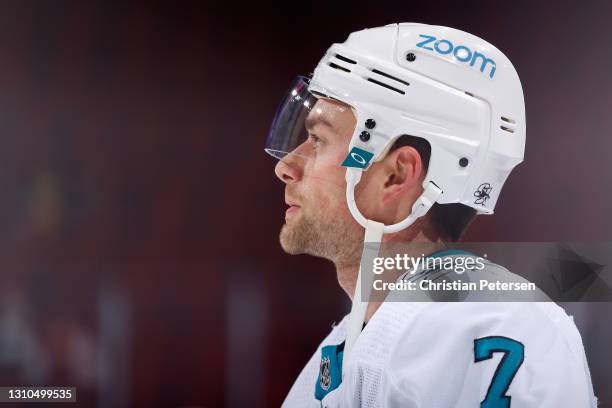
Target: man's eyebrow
(311, 121)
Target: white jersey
(452, 354)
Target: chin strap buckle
(426, 200)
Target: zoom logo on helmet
(461, 52)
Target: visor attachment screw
(463, 162)
(370, 123)
(410, 57)
(364, 136)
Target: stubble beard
(337, 239)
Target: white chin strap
(373, 236)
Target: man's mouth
(293, 208)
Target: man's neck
(348, 271)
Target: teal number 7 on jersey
(514, 353)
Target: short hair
(451, 220)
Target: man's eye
(315, 139)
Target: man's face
(318, 221)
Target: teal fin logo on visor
(358, 158)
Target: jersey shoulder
(469, 342)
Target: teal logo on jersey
(330, 370)
(358, 158)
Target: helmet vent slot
(343, 58)
(508, 126)
(340, 67)
(385, 85)
(390, 76)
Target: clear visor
(303, 118)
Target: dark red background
(140, 215)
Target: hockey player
(403, 134)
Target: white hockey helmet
(449, 87)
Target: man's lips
(293, 208)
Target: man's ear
(403, 170)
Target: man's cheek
(329, 169)
(334, 204)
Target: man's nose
(288, 170)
